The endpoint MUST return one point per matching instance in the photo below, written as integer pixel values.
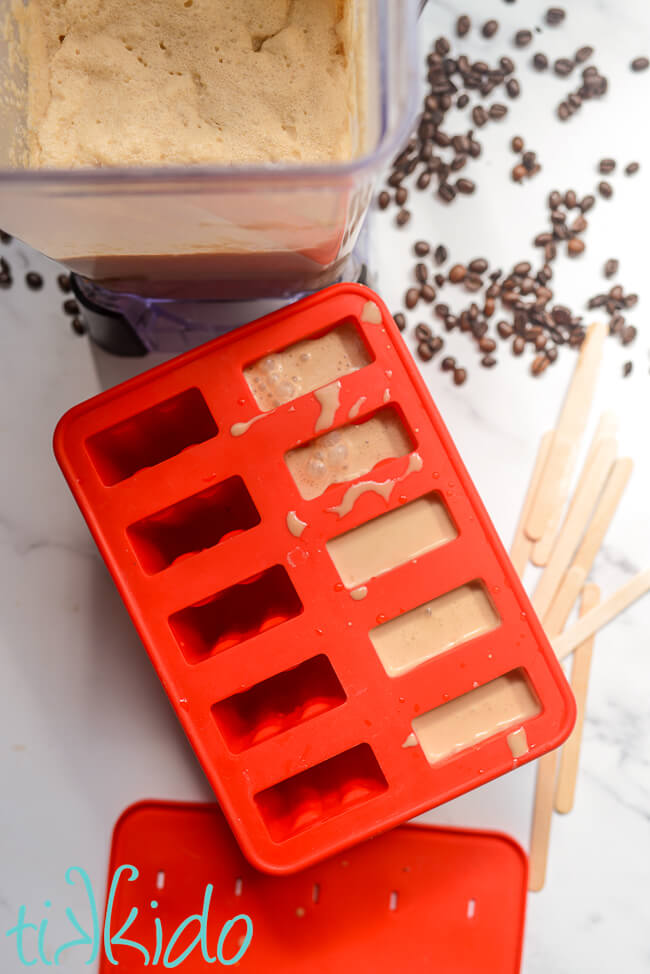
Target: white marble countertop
(85, 728)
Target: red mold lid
(279, 656)
(416, 899)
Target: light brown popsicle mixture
(138, 82)
(475, 716)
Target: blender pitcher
(152, 249)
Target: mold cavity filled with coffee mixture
(305, 366)
(504, 703)
(348, 453)
(434, 627)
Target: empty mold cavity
(293, 372)
(434, 627)
(151, 437)
(347, 453)
(320, 793)
(475, 716)
(391, 540)
(194, 524)
(278, 704)
(236, 614)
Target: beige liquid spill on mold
(384, 489)
(475, 716)
(371, 313)
(356, 409)
(359, 593)
(329, 399)
(295, 525)
(411, 741)
(518, 743)
(238, 429)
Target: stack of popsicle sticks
(566, 550)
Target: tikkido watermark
(30, 937)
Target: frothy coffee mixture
(423, 633)
(391, 540)
(306, 366)
(347, 453)
(138, 82)
(476, 716)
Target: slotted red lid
(416, 899)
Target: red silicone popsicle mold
(273, 666)
(418, 899)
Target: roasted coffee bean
(574, 100)
(616, 325)
(425, 351)
(78, 326)
(458, 273)
(507, 65)
(587, 202)
(460, 376)
(396, 178)
(402, 218)
(551, 353)
(540, 62)
(423, 332)
(504, 329)
(487, 345)
(539, 364)
(435, 344)
(439, 279)
(554, 200)
(479, 115)
(446, 192)
(570, 199)
(640, 64)
(401, 196)
(462, 101)
(460, 143)
(517, 144)
(616, 292)
(473, 282)
(442, 46)
(605, 189)
(451, 322)
(513, 88)
(71, 307)
(448, 364)
(465, 186)
(384, 200)
(575, 247)
(411, 298)
(606, 166)
(563, 111)
(421, 273)
(5, 237)
(550, 252)
(627, 368)
(33, 281)
(519, 172)
(555, 16)
(428, 293)
(65, 285)
(522, 268)
(442, 310)
(523, 38)
(458, 162)
(498, 111)
(488, 361)
(489, 28)
(579, 225)
(542, 239)
(440, 254)
(611, 267)
(628, 334)
(441, 139)
(632, 168)
(480, 67)
(479, 265)
(631, 300)
(540, 342)
(463, 25)
(583, 54)
(400, 320)
(474, 149)
(421, 248)
(598, 301)
(518, 345)
(423, 180)
(529, 160)
(563, 67)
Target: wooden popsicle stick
(570, 758)
(542, 814)
(590, 486)
(555, 618)
(541, 828)
(556, 477)
(607, 427)
(522, 545)
(594, 620)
